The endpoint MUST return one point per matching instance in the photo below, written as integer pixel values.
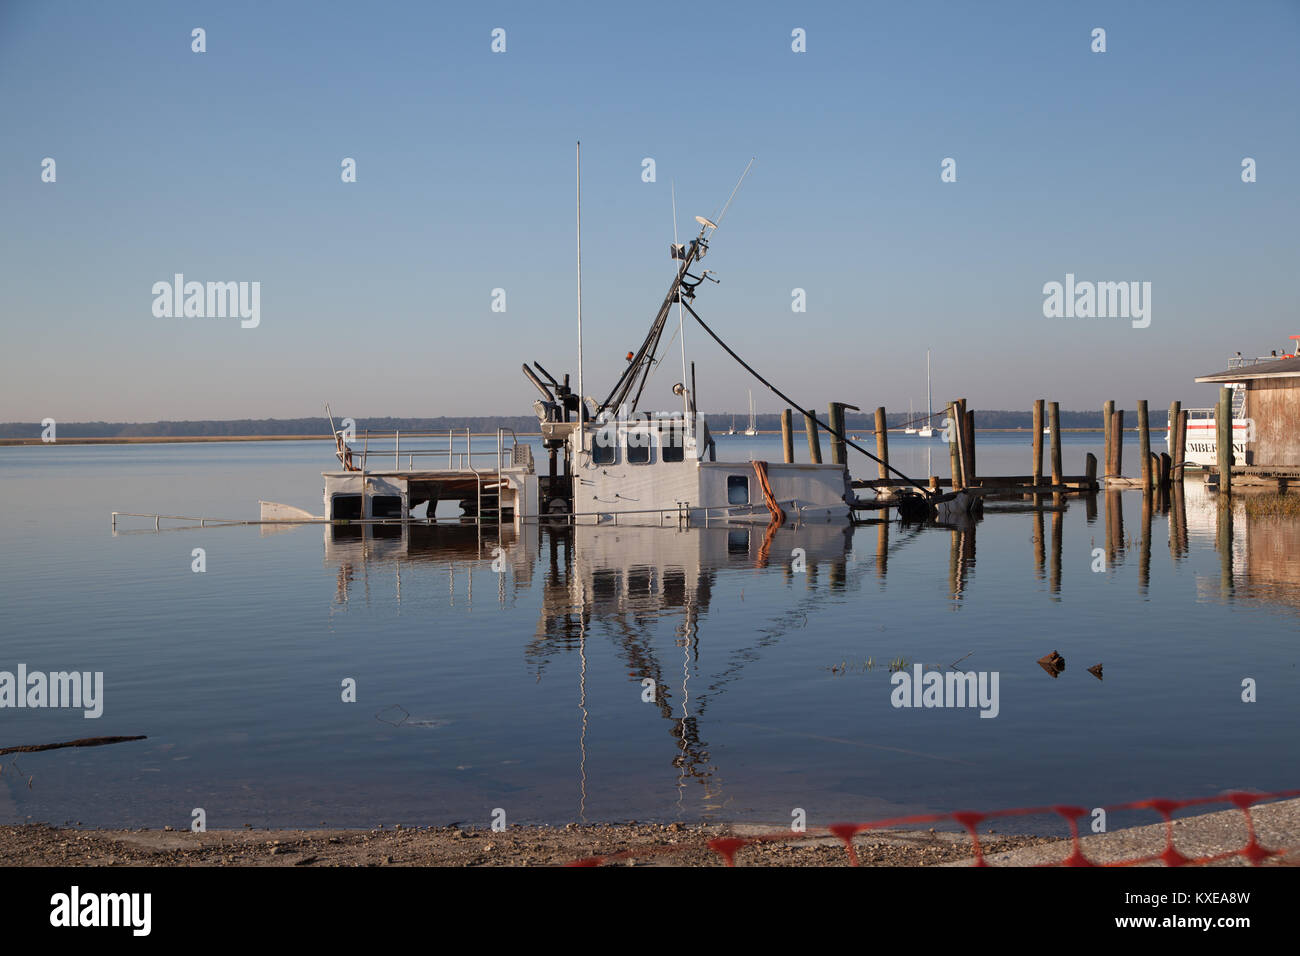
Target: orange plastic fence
(728, 847)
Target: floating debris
(1053, 663)
(1095, 671)
(82, 742)
(389, 715)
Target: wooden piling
(814, 443)
(953, 433)
(1179, 450)
(1037, 471)
(1223, 439)
(836, 421)
(787, 435)
(1144, 444)
(968, 447)
(1090, 470)
(1054, 423)
(882, 444)
(1117, 443)
(1107, 419)
(959, 429)
(1171, 429)
(1166, 470)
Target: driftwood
(83, 742)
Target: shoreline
(183, 439)
(671, 844)
(1216, 837)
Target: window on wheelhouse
(672, 444)
(737, 489)
(638, 447)
(604, 448)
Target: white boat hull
(1202, 444)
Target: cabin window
(346, 508)
(638, 448)
(386, 506)
(672, 445)
(737, 489)
(603, 449)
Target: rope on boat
(769, 497)
(786, 398)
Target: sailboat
(752, 429)
(928, 430)
(911, 414)
(732, 429)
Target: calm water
(523, 689)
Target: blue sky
(376, 295)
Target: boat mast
(582, 401)
(642, 362)
(929, 405)
(681, 323)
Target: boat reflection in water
(634, 602)
(625, 570)
(602, 585)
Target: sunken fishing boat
(612, 460)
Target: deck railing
(459, 453)
(1240, 361)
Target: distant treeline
(720, 421)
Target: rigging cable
(780, 394)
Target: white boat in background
(927, 430)
(751, 430)
(911, 415)
(1201, 446)
(732, 429)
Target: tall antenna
(582, 398)
(722, 215)
(681, 320)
